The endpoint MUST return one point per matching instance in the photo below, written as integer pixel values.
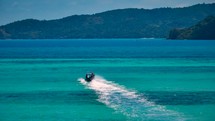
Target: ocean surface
(136, 80)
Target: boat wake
(128, 102)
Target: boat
(89, 77)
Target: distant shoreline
(120, 23)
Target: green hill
(121, 23)
(205, 29)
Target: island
(120, 23)
(204, 30)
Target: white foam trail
(129, 102)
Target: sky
(13, 10)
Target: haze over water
(137, 79)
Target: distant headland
(121, 23)
(204, 30)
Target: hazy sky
(13, 10)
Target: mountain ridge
(204, 29)
(120, 23)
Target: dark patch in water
(89, 97)
(181, 98)
(50, 97)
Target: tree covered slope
(205, 29)
(121, 23)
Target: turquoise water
(137, 80)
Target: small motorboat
(89, 77)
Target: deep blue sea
(136, 80)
